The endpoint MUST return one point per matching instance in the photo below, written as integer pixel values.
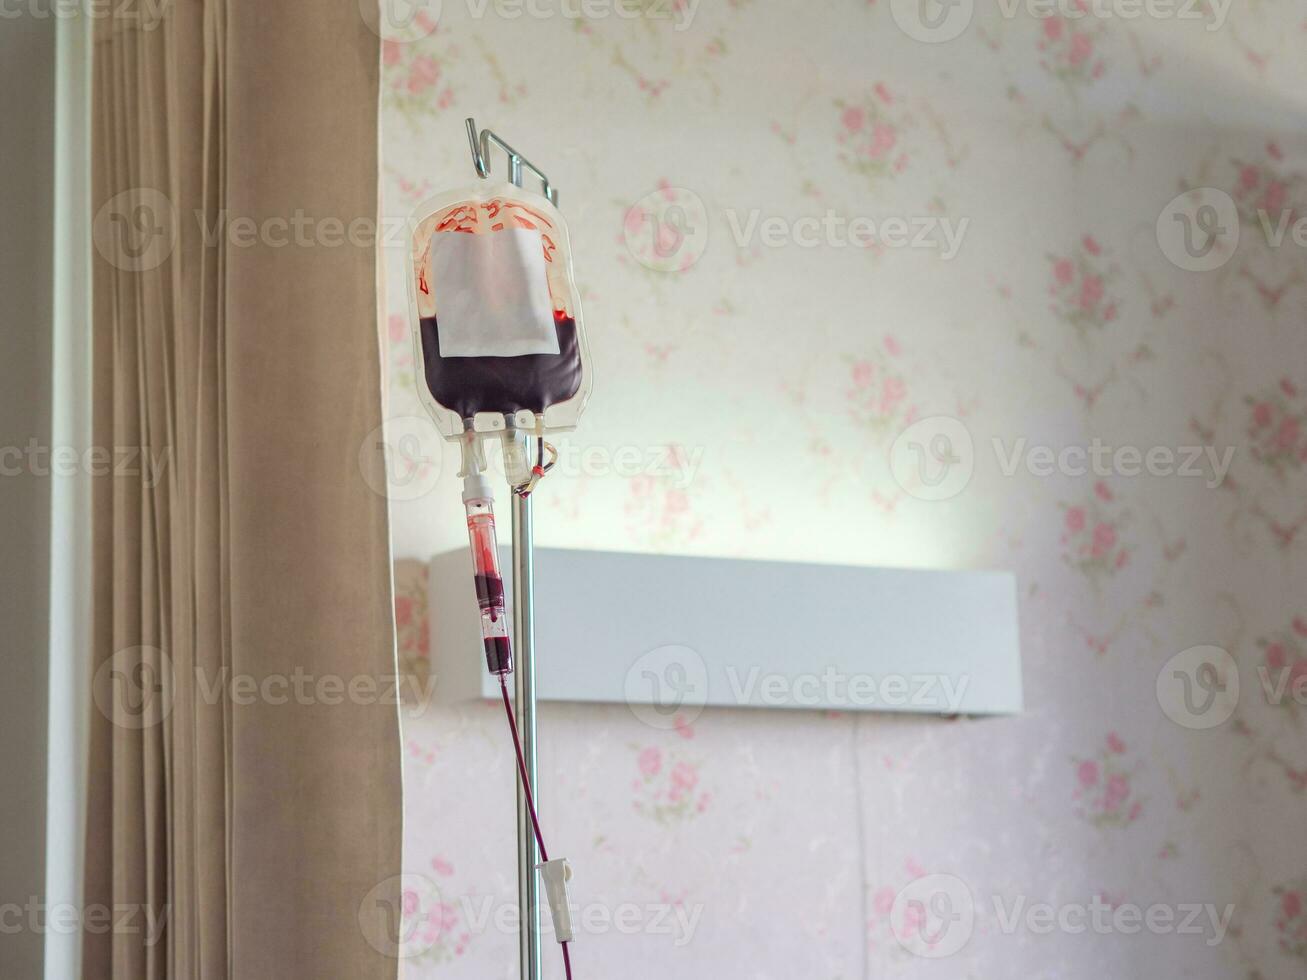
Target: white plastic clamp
(556, 873)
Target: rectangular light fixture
(670, 634)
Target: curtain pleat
(261, 833)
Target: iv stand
(528, 879)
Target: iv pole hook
(480, 143)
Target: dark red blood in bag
(468, 385)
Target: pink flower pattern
(1265, 193)
(1291, 918)
(667, 788)
(1283, 666)
(1104, 793)
(1091, 536)
(1069, 49)
(661, 504)
(1277, 428)
(870, 134)
(412, 624)
(877, 391)
(414, 74)
(1078, 293)
(431, 928)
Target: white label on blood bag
(491, 293)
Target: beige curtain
(245, 815)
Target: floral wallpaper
(1005, 285)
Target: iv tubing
(526, 789)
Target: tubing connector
(473, 459)
(517, 459)
(477, 487)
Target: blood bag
(495, 314)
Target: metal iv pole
(528, 878)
